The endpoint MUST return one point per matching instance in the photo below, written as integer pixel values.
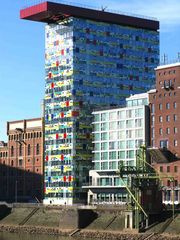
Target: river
(25, 236)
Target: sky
(22, 51)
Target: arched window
(12, 163)
(20, 150)
(29, 149)
(12, 151)
(37, 149)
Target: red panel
(65, 135)
(52, 85)
(64, 178)
(50, 75)
(62, 157)
(62, 115)
(75, 113)
(47, 158)
(27, 12)
(67, 103)
(57, 136)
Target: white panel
(13, 126)
(35, 123)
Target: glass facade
(124, 137)
(90, 64)
(126, 129)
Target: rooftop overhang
(50, 12)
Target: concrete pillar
(129, 220)
(113, 197)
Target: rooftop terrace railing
(105, 9)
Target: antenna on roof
(164, 59)
(103, 8)
(178, 56)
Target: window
(113, 135)
(29, 149)
(121, 155)
(112, 155)
(122, 145)
(104, 126)
(175, 130)
(104, 156)
(176, 183)
(168, 168)
(37, 149)
(175, 105)
(152, 132)
(104, 117)
(129, 133)
(104, 146)
(164, 144)
(167, 118)
(112, 115)
(129, 113)
(112, 145)
(160, 131)
(168, 130)
(121, 115)
(161, 169)
(175, 168)
(138, 123)
(20, 150)
(104, 136)
(167, 105)
(97, 156)
(129, 123)
(130, 154)
(96, 127)
(12, 163)
(12, 151)
(112, 126)
(175, 143)
(130, 144)
(175, 117)
(121, 134)
(153, 120)
(121, 124)
(96, 117)
(96, 146)
(160, 106)
(97, 137)
(152, 108)
(20, 162)
(160, 118)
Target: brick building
(165, 127)
(21, 161)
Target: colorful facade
(91, 61)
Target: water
(25, 236)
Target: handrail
(35, 2)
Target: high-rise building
(165, 108)
(21, 161)
(165, 128)
(118, 134)
(92, 58)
